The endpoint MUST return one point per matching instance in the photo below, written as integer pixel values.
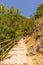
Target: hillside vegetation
(14, 26)
(34, 43)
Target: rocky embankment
(34, 44)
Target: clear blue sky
(27, 7)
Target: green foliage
(13, 25)
(39, 11)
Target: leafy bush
(39, 11)
(13, 25)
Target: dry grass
(36, 58)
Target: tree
(17, 11)
(2, 9)
(11, 10)
(39, 11)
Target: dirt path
(31, 60)
(17, 55)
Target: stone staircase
(17, 55)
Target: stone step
(14, 64)
(17, 55)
